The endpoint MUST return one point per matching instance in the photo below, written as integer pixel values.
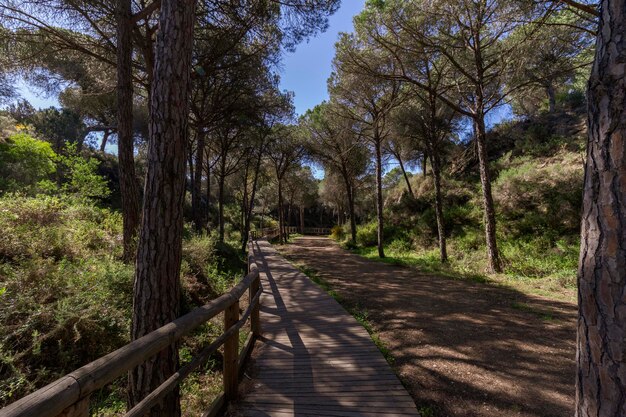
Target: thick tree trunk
(196, 195)
(601, 350)
(157, 288)
(301, 219)
(441, 230)
(125, 142)
(493, 256)
(379, 195)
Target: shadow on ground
(461, 348)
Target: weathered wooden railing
(309, 230)
(270, 233)
(69, 396)
(266, 232)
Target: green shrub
(541, 197)
(337, 233)
(25, 161)
(367, 234)
(209, 268)
(83, 178)
(67, 295)
(400, 246)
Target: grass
(543, 314)
(427, 261)
(550, 274)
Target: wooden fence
(270, 233)
(265, 233)
(320, 231)
(69, 396)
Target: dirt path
(462, 348)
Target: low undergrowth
(66, 296)
(529, 266)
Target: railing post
(255, 320)
(231, 353)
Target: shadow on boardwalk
(462, 348)
(314, 359)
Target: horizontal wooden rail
(69, 395)
(270, 233)
(309, 230)
(267, 233)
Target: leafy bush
(65, 295)
(541, 197)
(83, 178)
(24, 161)
(400, 246)
(367, 234)
(337, 233)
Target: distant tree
(554, 54)
(471, 37)
(285, 152)
(332, 141)
(368, 102)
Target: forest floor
(462, 348)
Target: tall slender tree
(368, 102)
(334, 143)
(125, 134)
(157, 271)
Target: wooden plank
(314, 358)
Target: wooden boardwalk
(314, 358)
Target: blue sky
(306, 70)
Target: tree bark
(379, 195)
(493, 257)
(406, 177)
(220, 199)
(301, 219)
(350, 194)
(441, 230)
(196, 197)
(157, 272)
(105, 139)
(551, 98)
(248, 218)
(601, 344)
(208, 195)
(125, 143)
(281, 230)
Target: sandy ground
(461, 348)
